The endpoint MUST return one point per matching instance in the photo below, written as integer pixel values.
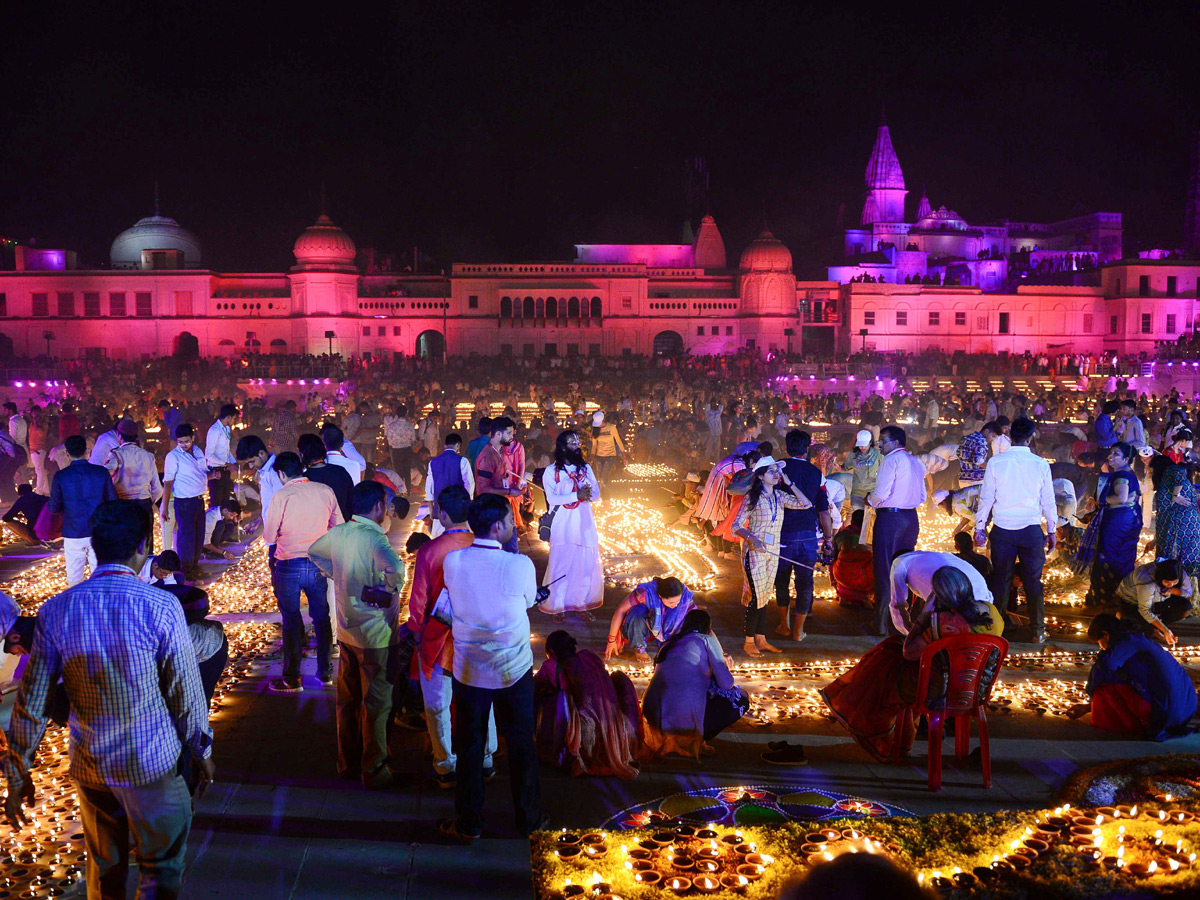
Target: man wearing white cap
(606, 447)
(863, 462)
(898, 493)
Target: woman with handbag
(574, 574)
(692, 697)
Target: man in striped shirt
(137, 704)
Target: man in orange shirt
(301, 511)
(435, 646)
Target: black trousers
(1021, 551)
(1169, 611)
(515, 720)
(895, 532)
(189, 530)
(402, 460)
(220, 486)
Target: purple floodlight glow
(33, 384)
(18, 384)
(849, 378)
(274, 381)
(290, 382)
(302, 381)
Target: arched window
(551, 308)
(597, 308)
(529, 308)
(516, 307)
(279, 345)
(541, 308)
(506, 307)
(573, 308)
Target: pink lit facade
(1070, 292)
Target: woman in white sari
(574, 575)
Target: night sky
(484, 133)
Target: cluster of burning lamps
(682, 858)
(678, 858)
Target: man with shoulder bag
(367, 576)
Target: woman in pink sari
(588, 721)
(868, 699)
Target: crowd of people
(489, 452)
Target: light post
(329, 337)
(49, 336)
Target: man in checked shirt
(137, 705)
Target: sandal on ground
(587, 616)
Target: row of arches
(551, 308)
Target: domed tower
(709, 247)
(884, 181)
(324, 279)
(324, 246)
(155, 242)
(767, 285)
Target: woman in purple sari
(654, 610)
(588, 721)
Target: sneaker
(449, 828)
(286, 686)
(445, 780)
(489, 774)
(788, 756)
(335, 652)
(328, 680)
(381, 778)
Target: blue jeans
(291, 577)
(801, 547)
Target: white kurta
(574, 544)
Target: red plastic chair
(967, 656)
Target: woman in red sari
(868, 699)
(588, 721)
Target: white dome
(766, 253)
(323, 244)
(154, 233)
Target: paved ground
(279, 825)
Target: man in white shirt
(337, 452)
(487, 597)
(1018, 496)
(913, 572)
(105, 444)
(899, 490)
(218, 456)
(1131, 428)
(185, 479)
(252, 453)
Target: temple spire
(923, 208)
(156, 198)
(883, 168)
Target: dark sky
(510, 131)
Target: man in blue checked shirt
(137, 706)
